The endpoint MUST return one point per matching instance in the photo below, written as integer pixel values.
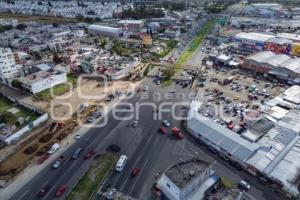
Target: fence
(44, 117)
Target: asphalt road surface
(147, 149)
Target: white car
(53, 148)
(243, 184)
(77, 136)
(135, 123)
(166, 123)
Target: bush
(16, 83)
(45, 138)
(42, 151)
(61, 136)
(31, 149)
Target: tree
(6, 117)
(169, 72)
(103, 43)
(117, 47)
(21, 26)
(37, 55)
(16, 83)
(89, 20)
(55, 24)
(79, 17)
(56, 58)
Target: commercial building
(273, 155)
(131, 24)
(279, 45)
(8, 67)
(42, 80)
(187, 180)
(278, 66)
(105, 31)
(284, 43)
(252, 41)
(278, 158)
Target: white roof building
(290, 36)
(252, 36)
(105, 31)
(42, 80)
(8, 67)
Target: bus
(121, 163)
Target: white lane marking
(45, 184)
(136, 161)
(133, 186)
(23, 195)
(124, 183)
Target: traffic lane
(143, 184)
(111, 130)
(35, 184)
(142, 151)
(147, 157)
(67, 168)
(143, 156)
(33, 187)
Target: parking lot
(229, 94)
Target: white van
(121, 163)
(53, 148)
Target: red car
(43, 191)
(176, 131)
(135, 171)
(60, 191)
(42, 158)
(89, 154)
(230, 126)
(163, 130)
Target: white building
(105, 31)
(8, 67)
(42, 80)
(131, 24)
(187, 180)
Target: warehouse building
(290, 36)
(279, 45)
(278, 158)
(226, 142)
(104, 31)
(273, 156)
(252, 42)
(274, 66)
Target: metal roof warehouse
(219, 135)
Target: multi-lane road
(147, 149)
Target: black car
(114, 148)
(43, 191)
